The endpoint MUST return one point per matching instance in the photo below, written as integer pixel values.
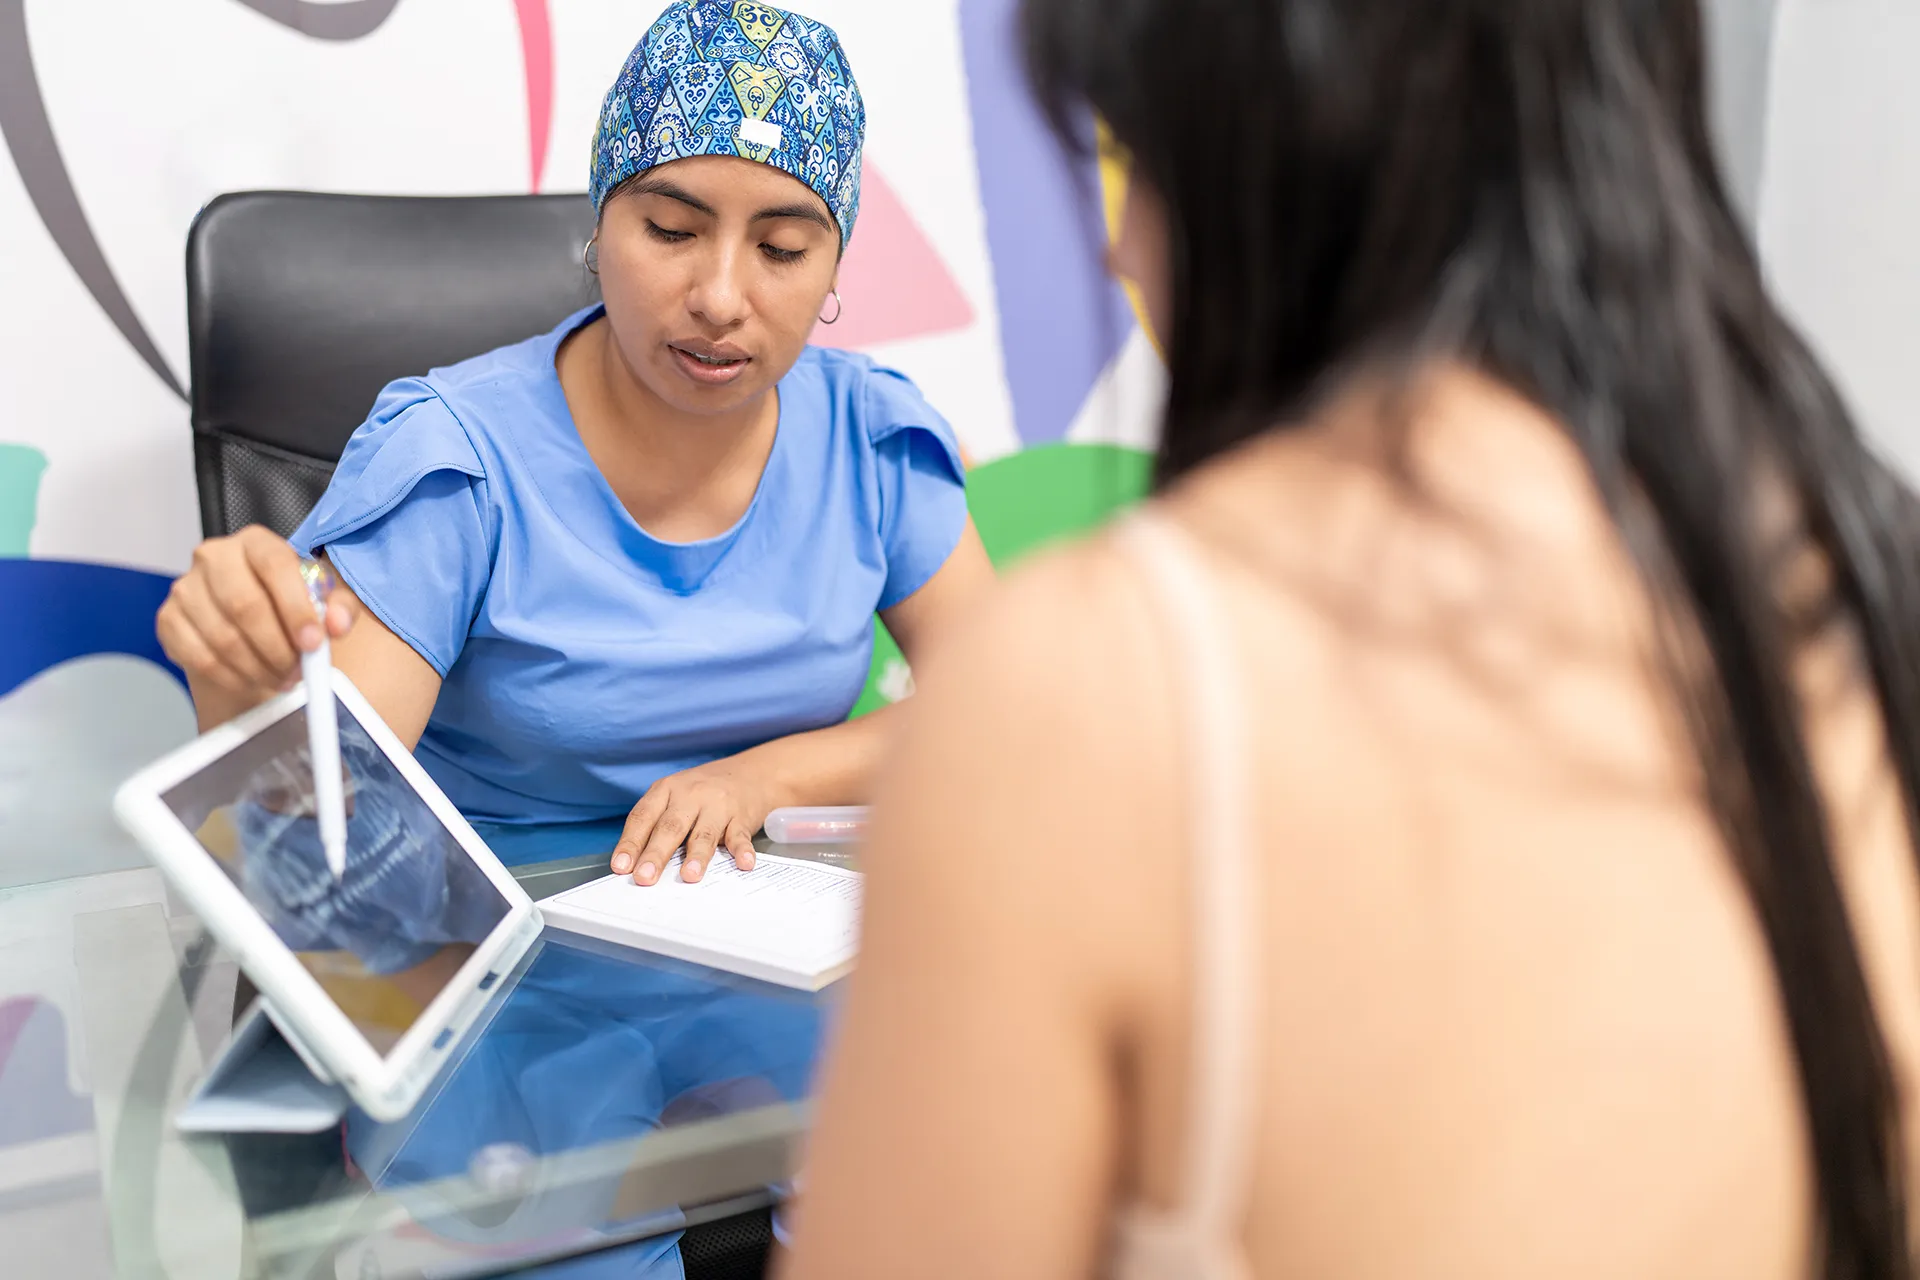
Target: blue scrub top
(583, 658)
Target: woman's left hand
(714, 806)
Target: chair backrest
(301, 306)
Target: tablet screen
(394, 929)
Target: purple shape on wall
(1061, 318)
(13, 1016)
(35, 1100)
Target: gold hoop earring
(838, 307)
(593, 267)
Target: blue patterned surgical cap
(719, 78)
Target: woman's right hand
(240, 618)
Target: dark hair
(1528, 186)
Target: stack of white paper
(787, 921)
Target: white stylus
(323, 729)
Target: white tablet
(371, 976)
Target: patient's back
(1520, 1019)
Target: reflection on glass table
(608, 1096)
(589, 1048)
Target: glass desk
(607, 1097)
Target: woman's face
(714, 270)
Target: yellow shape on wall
(1114, 166)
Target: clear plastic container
(822, 825)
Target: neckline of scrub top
(575, 485)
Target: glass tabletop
(608, 1096)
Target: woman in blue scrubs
(629, 566)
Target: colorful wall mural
(976, 270)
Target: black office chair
(301, 306)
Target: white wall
(1839, 222)
(1740, 50)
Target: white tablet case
(263, 1080)
(260, 1083)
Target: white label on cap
(760, 133)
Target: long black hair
(1528, 186)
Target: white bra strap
(1228, 963)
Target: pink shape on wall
(536, 56)
(13, 1016)
(893, 280)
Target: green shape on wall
(1021, 503)
(21, 467)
